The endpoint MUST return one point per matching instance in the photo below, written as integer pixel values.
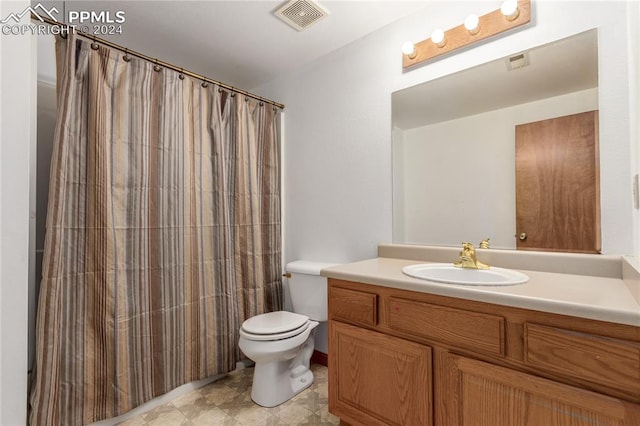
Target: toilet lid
(274, 323)
(273, 337)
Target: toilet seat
(274, 326)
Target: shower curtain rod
(157, 62)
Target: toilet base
(279, 381)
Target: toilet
(281, 343)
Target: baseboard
(319, 358)
(244, 363)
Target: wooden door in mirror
(558, 184)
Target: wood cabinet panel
(511, 366)
(613, 362)
(480, 393)
(354, 306)
(462, 328)
(377, 379)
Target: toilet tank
(308, 290)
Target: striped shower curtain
(163, 234)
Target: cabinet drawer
(612, 362)
(457, 327)
(355, 306)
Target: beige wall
(338, 131)
(17, 146)
(338, 153)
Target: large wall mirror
(454, 150)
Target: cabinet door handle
(522, 236)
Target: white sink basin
(447, 273)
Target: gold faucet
(468, 258)
(484, 244)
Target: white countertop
(599, 298)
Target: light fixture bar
(489, 25)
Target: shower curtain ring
(94, 45)
(156, 67)
(181, 75)
(126, 56)
(204, 83)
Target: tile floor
(228, 402)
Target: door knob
(523, 236)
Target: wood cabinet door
(375, 379)
(478, 393)
(557, 184)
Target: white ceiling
(240, 42)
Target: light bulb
(409, 49)
(472, 24)
(510, 9)
(437, 36)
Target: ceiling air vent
(517, 61)
(300, 14)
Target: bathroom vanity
(562, 349)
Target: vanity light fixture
(409, 49)
(472, 24)
(512, 14)
(438, 38)
(510, 9)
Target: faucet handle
(467, 246)
(484, 244)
